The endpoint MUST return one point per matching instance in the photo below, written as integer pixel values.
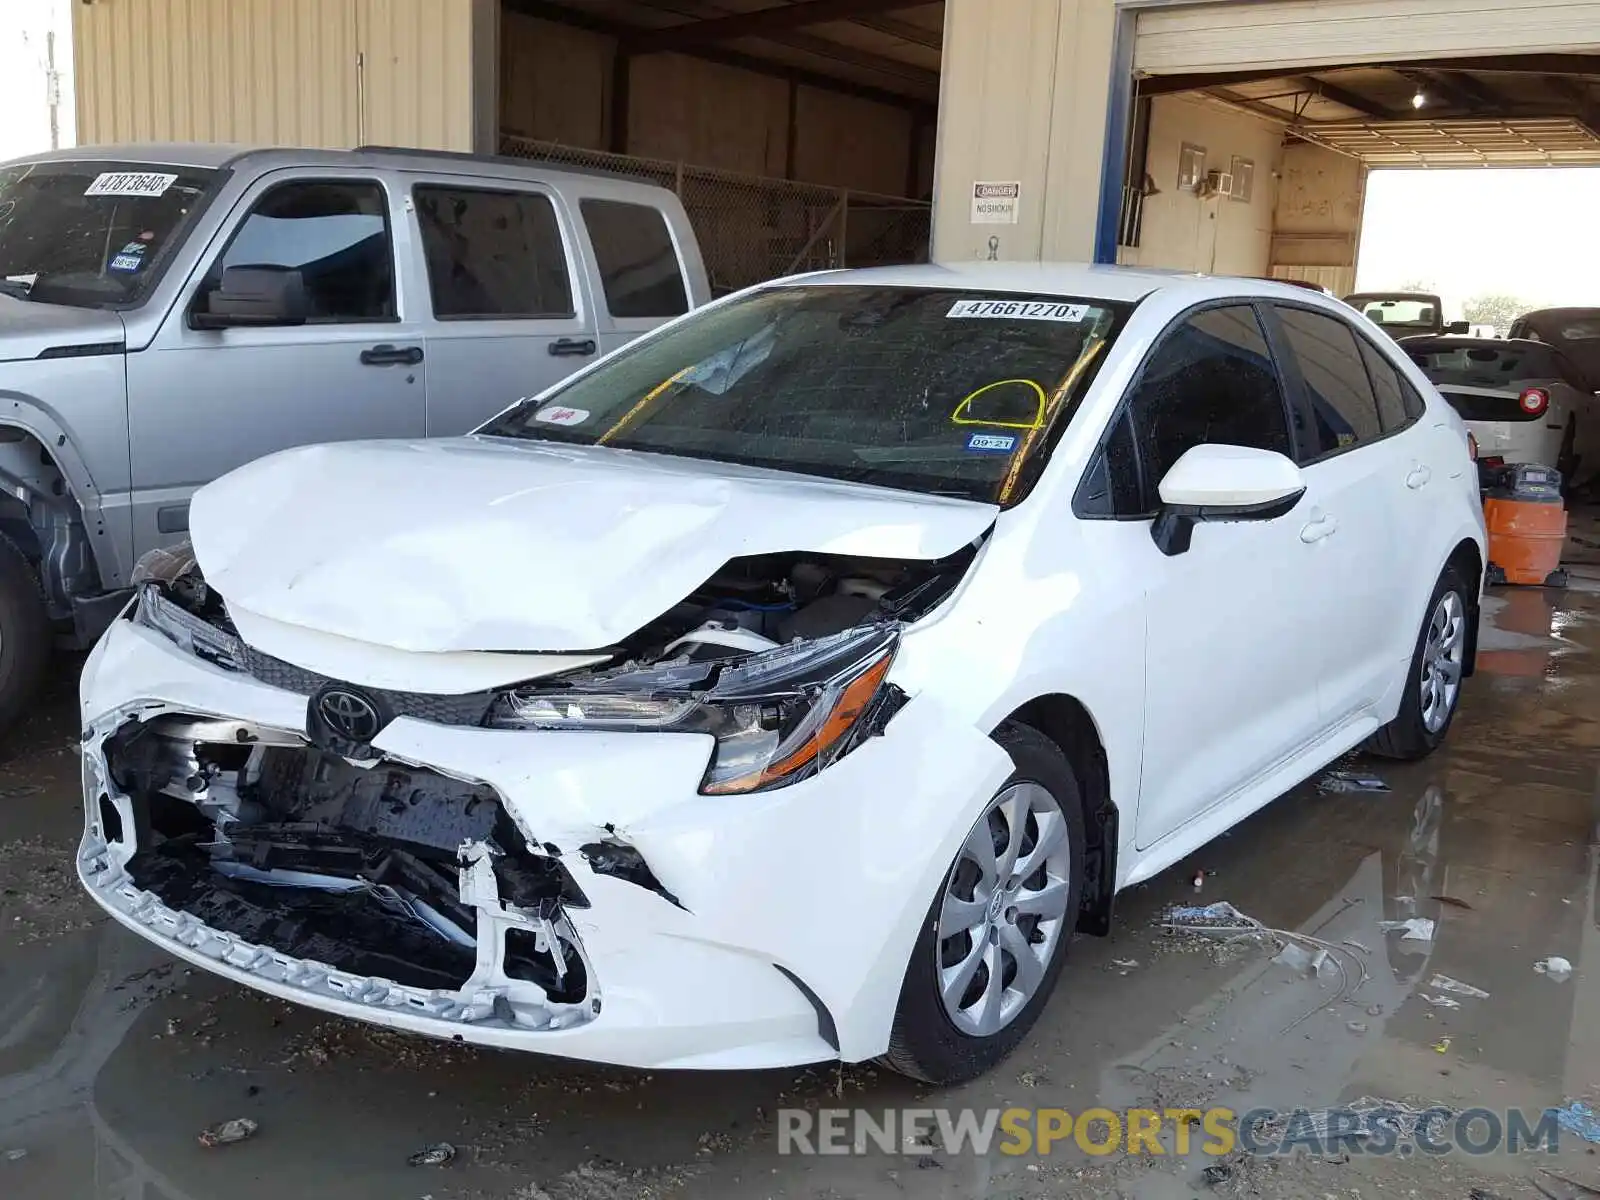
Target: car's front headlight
(777, 717)
(166, 580)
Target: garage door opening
(1254, 130)
(799, 134)
(1492, 244)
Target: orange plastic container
(1526, 538)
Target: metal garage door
(1245, 35)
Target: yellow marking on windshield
(956, 418)
(1020, 456)
(633, 413)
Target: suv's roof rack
(501, 160)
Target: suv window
(336, 234)
(1210, 380)
(1337, 387)
(492, 255)
(638, 262)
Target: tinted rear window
(638, 262)
(1484, 365)
(1471, 406)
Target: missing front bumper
(386, 884)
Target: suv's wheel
(1433, 686)
(24, 633)
(996, 934)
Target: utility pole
(53, 88)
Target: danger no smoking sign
(996, 203)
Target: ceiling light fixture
(1419, 99)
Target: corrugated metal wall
(286, 72)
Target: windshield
(956, 393)
(1419, 313)
(92, 234)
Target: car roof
(222, 155)
(1354, 296)
(1087, 281)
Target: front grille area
(469, 709)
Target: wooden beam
(1248, 105)
(917, 35)
(762, 22)
(1344, 96)
(621, 81)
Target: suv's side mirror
(1458, 327)
(1223, 483)
(252, 296)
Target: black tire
(25, 634)
(924, 1042)
(1408, 737)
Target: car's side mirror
(1458, 327)
(252, 296)
(1223, 483)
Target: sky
(1528, 233)
(24, 93)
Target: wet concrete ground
(113, 1057)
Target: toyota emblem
(349, 714)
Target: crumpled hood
(479, 544)
(28, 328)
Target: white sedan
(792, 684)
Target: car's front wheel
(1433, 685)
(996, 935)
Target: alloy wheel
(1444, 653)
(1004, 909)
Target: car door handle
(1320, 526)
(390, 356)
(1419, 477)
(572, 347)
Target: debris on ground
(1555, 967)
(1479, 1193)
(1442, 1046)
(1452, 901)
(1443, 983)
(1586, 1189)
(1440, 1001)
(1350, 781)
(236, 1130)
(1126, 964)
(1217, 1173)
(1391, 1121)
(1577, 1117)
(1199, 880)
(436, 1155)
(15, 1155)
(1356, 1027)
(1417, 929)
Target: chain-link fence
(752, 228)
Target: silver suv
(169, 312)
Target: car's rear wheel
(996, 935)
(1433, 684)
(24, 633)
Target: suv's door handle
(573, 347)
(389, 356)
(1320, 526)
(1419, 477)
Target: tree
(1496, 310)
(1424, 289)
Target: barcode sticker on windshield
(130, 183)
(1019, 310)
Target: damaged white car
(792, 684)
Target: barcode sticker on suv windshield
(130, 183)
(1019, 310)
